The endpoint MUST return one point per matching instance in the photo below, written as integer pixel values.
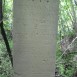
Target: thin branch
(66, 49)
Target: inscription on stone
(40, 1)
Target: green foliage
(65, 18)
(5, 64)
(66, 66)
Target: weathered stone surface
(34, 34)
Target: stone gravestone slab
(34, 34)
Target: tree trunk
(1, 10)
(34, 34)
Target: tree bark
(34, 36)
(1, 15)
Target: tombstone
(34, 37)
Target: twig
(67, 48)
